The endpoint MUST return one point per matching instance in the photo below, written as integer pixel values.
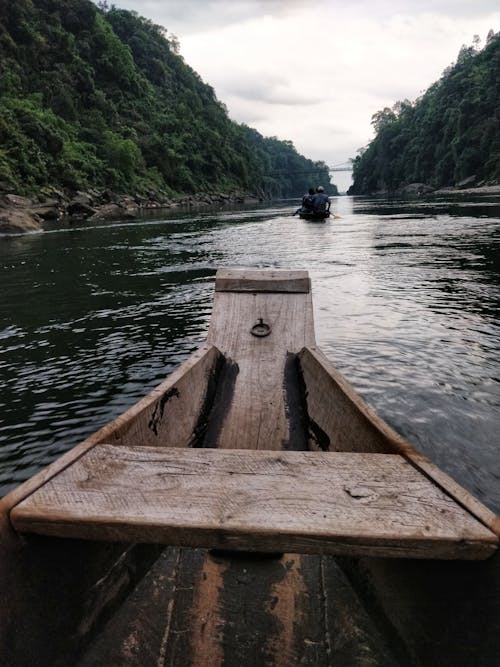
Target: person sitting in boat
(320, 200)
(307, 204)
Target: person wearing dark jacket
(307, 204)
(320, 200)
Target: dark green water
(406, 299)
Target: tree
(450, 133)
(95, 95)
(382, 118)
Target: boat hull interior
(253, 506)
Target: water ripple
(406, 304)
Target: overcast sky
(315, 71)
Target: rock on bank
(21, 214)
(17, 216)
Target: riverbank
(419, 189)
(481, 190)
(22, 214)
(464, 188)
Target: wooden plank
(250, 280)
(194, 373)
(173, 415)
(54, 593)
(455, 491)
(195, 611)
(444, 613)
(305, 502)
(340, 420)
(290, 317)
(261, 400)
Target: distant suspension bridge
(342, 166)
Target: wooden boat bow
(258, 444)
(255, 444)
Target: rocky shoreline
(481, 190)
(467, 187)
(22, 214)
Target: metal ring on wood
(260, 329)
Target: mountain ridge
(448, 137)
(92, 97)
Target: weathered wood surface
(235, 610)
(252, 280)
(339, 420)
(192, 378)
(443, 612)
(54, 592)
(202, 610)
(304, 502)
(261, 406)
(174, 414)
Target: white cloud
(315, 71)
(187, 16)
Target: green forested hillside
(92, 97)
(450, 134)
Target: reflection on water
(406, 304)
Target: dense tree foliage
(450, 134)
(285, 171)
(98, 97)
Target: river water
(406, 299)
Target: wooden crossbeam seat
(306, 502)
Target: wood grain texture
(55, 592)
(207, 610)
(455, 491)
(170, 415)
(199, 364)
(251, 280)
(443, 612)
(206, 616)
(285, 607)
(340, 420)
(355, 638)
(136, 634)
(305, 502)
(242, 611)
(257, 417)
